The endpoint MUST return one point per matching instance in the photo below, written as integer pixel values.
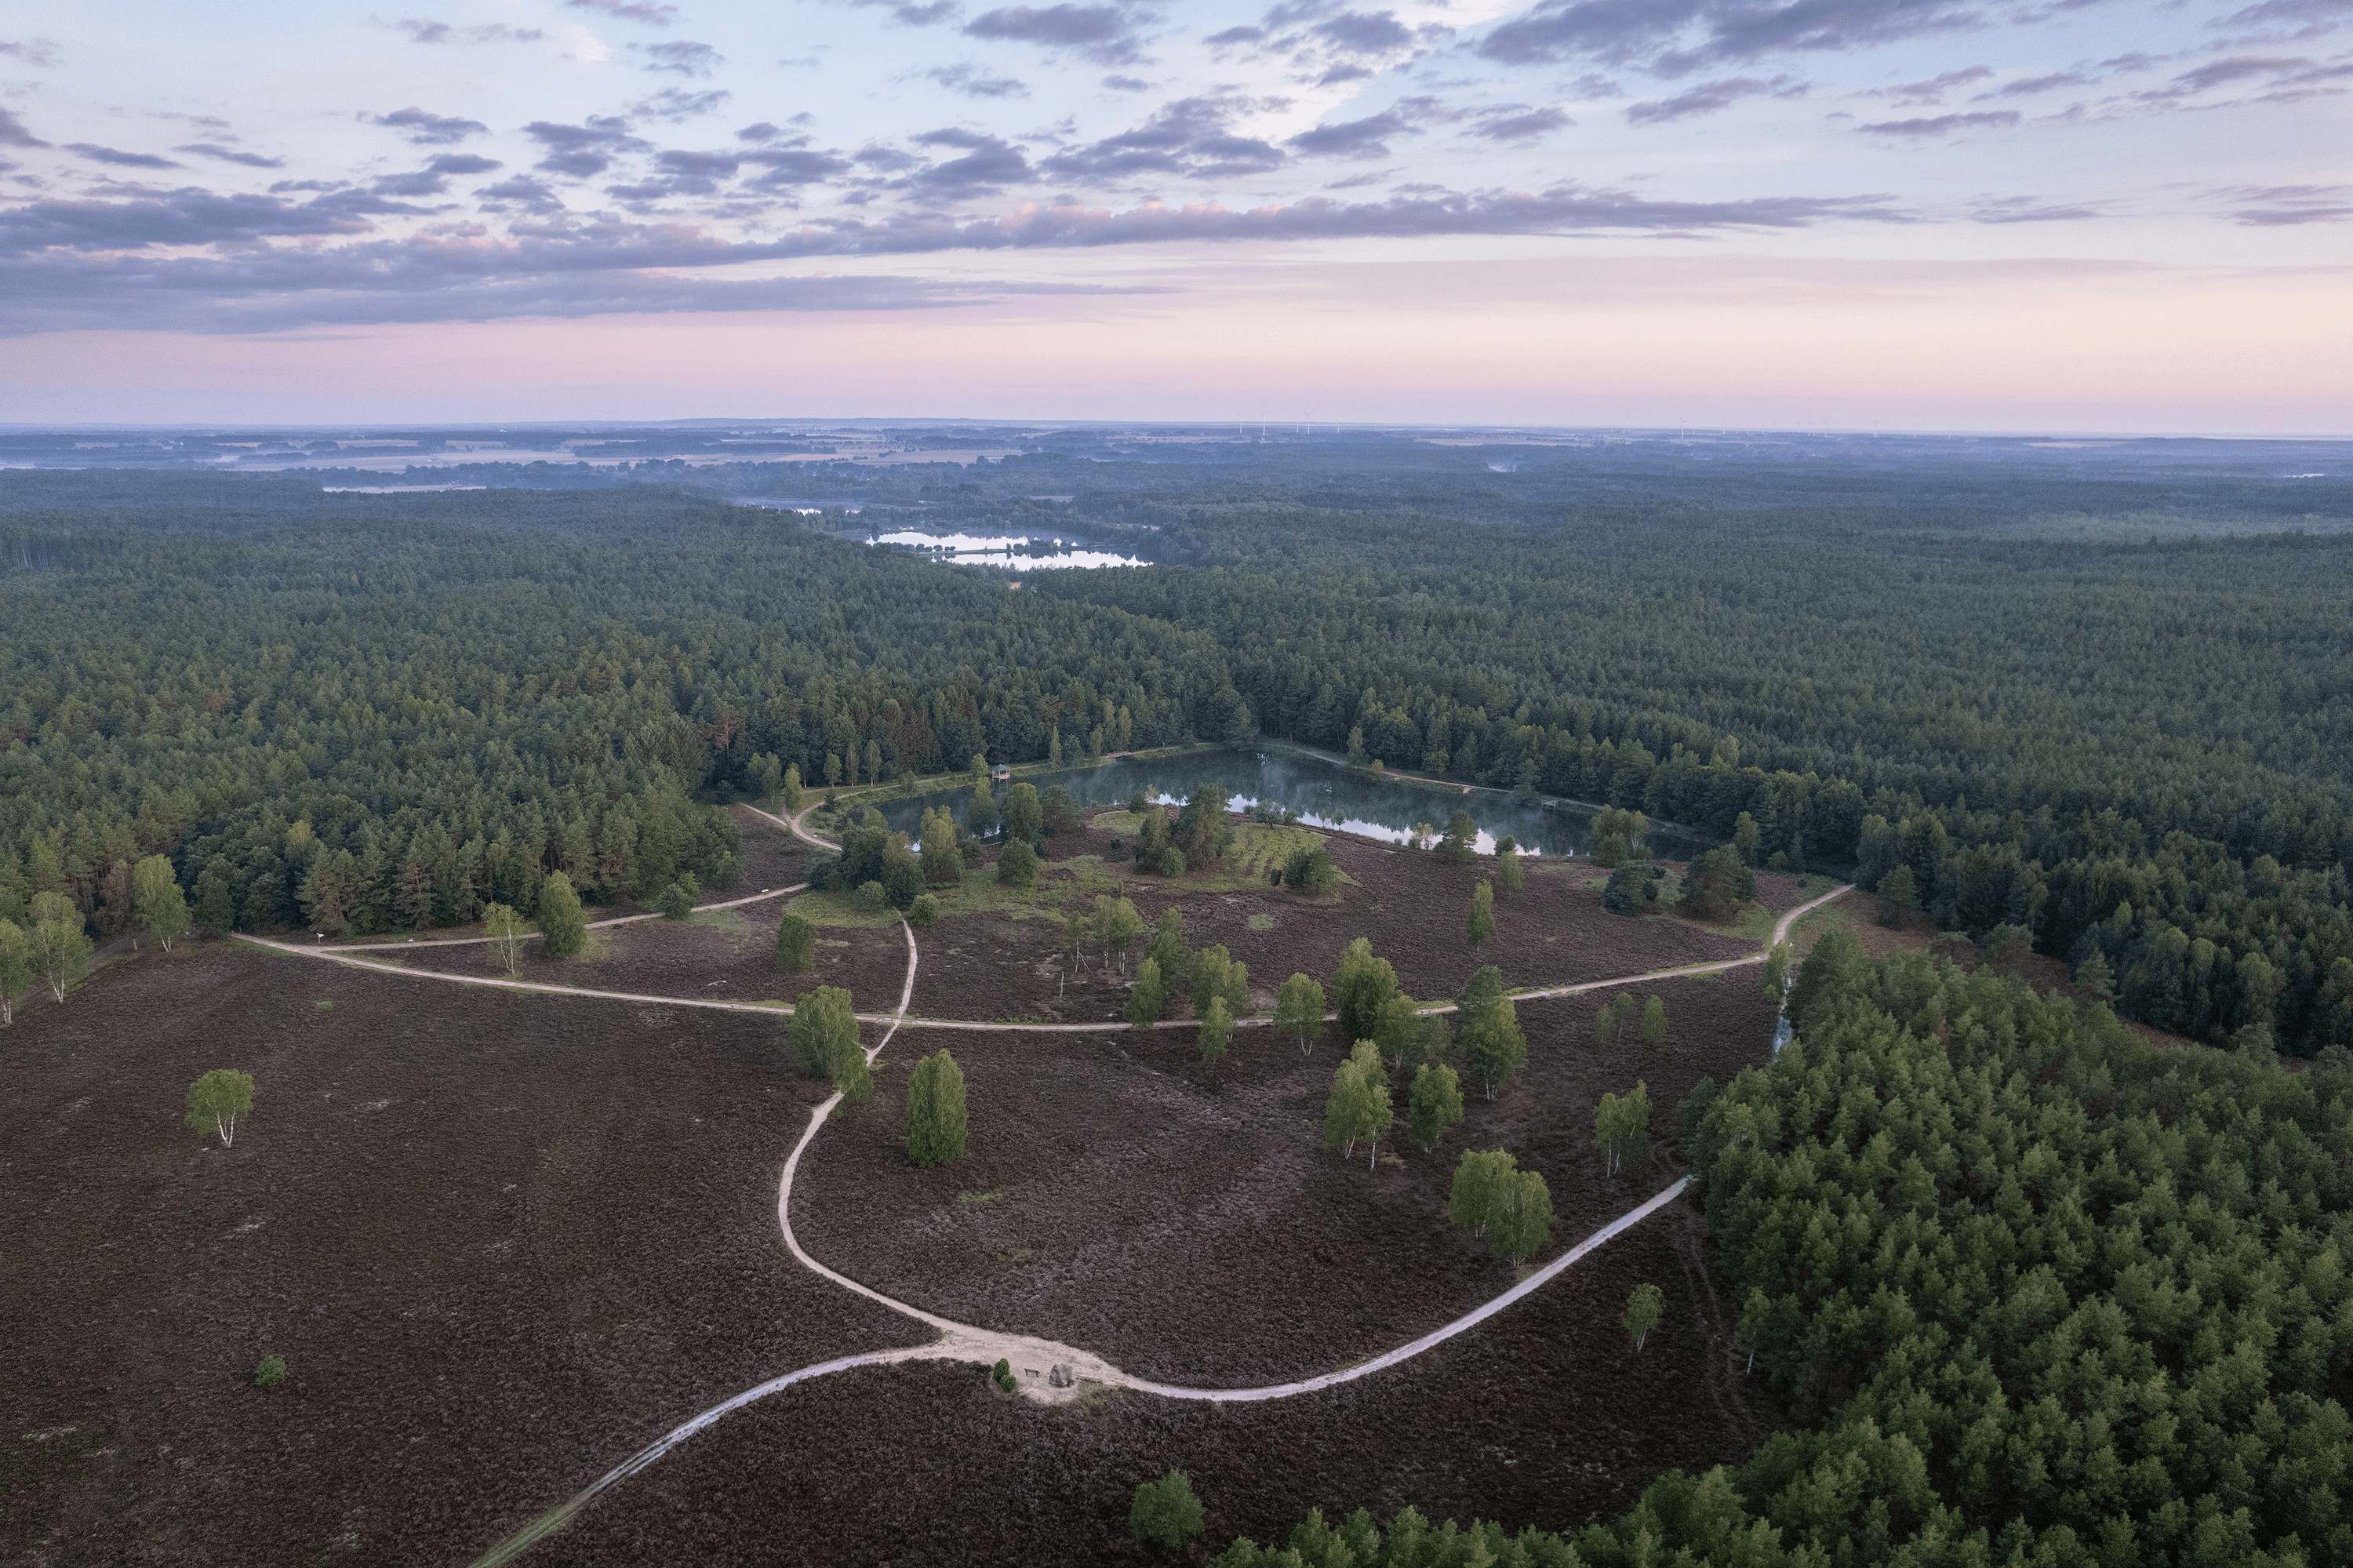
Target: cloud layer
(588, 153)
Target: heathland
(2027, 1246)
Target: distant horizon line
(1270, 427)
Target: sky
(2089, 214)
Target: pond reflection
(1324, 795)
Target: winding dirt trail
(1043, 1369)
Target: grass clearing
(1259, 848)
(1261, 922)
(727, 920)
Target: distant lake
(1021, 553)
(1324, 794)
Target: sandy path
(1033, 1360)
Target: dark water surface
(1324, 794)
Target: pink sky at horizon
(1735, 341)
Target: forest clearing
(437, 1169)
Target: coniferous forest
(2106, 700)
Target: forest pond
(1325, 795)
(1019, 552)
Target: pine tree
(1461, 836)
(215, 909)
(1898, 892)
(2096, 978)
